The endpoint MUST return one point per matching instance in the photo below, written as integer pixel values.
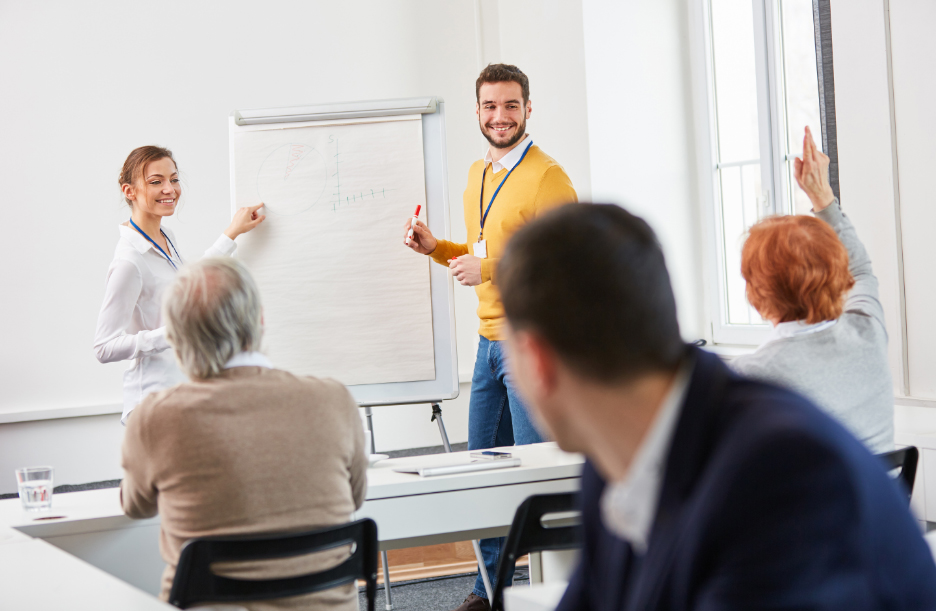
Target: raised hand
(244, 220)
(812, 174)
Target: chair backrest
(906, 460)
(528, 534)
(195, 582)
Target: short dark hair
(592, 281)
(499, 73)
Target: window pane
(738, 171)
(739, 188)
(801, 88)
(735, 80)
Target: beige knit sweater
(252, 451)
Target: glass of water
(35, 487)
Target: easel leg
(370, 427)
(386, 580)
(437, 418)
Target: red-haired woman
(812, 279)
(130, 324)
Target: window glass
(801, 90)
(735, 80)
(738, 165)
(792, 80)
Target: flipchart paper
(342, 296)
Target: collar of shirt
(140, 243)
(796, 327)
(135, 238)
(249, 359)
(628, 506)
(510, 159)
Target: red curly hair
(796, 268)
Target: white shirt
(510, 159)
(249, 359)
(130, 326)
(796, 327)
(628, 506)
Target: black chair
(529, 534)
(906, 460)
(195, 583)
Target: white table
(38, 575)
(94, 529)
(409, 511)
(536, 597)
(11, 535)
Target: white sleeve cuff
(223, 247)
(156, 341)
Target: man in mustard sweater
(514, 183)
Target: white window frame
(772, 134)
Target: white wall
(80, 450)
(545, 38)
(862, 110)
(611, 90)
(913, 52)
(91, 81)
(640, 131)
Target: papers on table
(467, 467)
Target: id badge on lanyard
(480, 249)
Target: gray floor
(437, 594)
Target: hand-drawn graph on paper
(342, 296)
(292, 178)
(296, 176)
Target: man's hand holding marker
(418, 237)
(466, 268)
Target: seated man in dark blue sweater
(702, 490)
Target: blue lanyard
(158, 247)
(485, 212)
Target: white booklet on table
(467, 467)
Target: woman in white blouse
(130, 326)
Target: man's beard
(521, 132)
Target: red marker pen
(409, 235)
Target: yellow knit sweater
(537, 184)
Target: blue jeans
(496, 417)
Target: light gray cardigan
(843, 369)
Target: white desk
(536, 597)
(95, 530)
(409, 511)
(11, 535)
(37, 575)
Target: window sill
(729, 351)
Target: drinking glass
(35, 487)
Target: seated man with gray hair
(242, 448)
